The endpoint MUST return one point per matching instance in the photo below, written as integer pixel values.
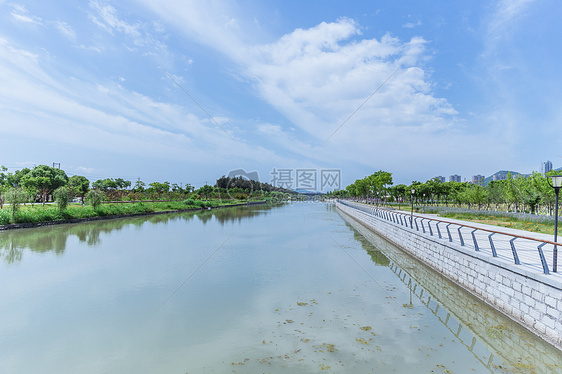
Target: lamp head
(413, 191)
(556, 181)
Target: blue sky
(185, 91)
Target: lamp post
(555, 182)
(412, 212)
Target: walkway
(515, 248)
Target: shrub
(61, 196)
(15, 196)
(94, 197)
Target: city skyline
(189, 91)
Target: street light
(412, 213)
(556, 183)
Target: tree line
(43, 184)
(520, 193)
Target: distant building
(442, 179)
(546, 166)
(498, 177)
(478, 179)
(454, 178)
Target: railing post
(430, 230)
(543, 260)
(515, 257)
(460, 236)
(421, 223)
(416, 221)
(474, 239)
(492, 245)
(438, 231)
(449, 232)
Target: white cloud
(318, 77)
(65, 29)
(506, 12)
(411, 25)
(106, 117)
(20, 13)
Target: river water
(298, 288)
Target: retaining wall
(533, 300)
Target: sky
(188, 91)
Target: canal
(297, 288)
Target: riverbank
(106, 214)
(520, 290)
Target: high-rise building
(454, 178)
(478, 179)
(546, 166)
(442, 179)
(498, 177)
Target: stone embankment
(524, 294)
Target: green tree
(378, 183)
(494, 193)
(61, 196)
(206, 191)
(105, 184)
(139, 186)
(45, 179)
(79, 186)
(122, 184)
(398, 193)
(95, 197)
(14, 179)
(15, 196)
(159, 188)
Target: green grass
(39, 213)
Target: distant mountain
(307, 192)
(502, 174)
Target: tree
(95, 197)
(206, 191)
(79, 186)
(379, 181)
(159, 187)
(105, 184)
(45, 179)
(139, 186)
(494, 192)
(61, 196)
(122, 184)
(398, 193)
(14, 179)
(15, 196)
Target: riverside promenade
(509, 269)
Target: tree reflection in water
(54, 238)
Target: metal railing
(527, 251)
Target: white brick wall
(527, 298)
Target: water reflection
(54, 238)
(497, 342)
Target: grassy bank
(521, 221)
(38, 213)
